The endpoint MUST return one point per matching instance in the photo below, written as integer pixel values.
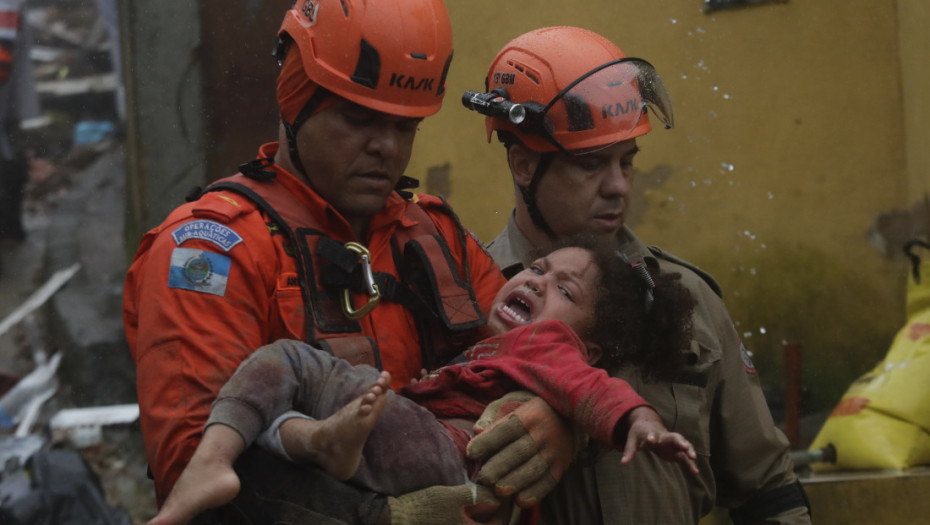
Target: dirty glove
(526, 447)
(459, 505)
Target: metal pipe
(793, 393)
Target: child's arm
(645, 431)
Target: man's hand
(526, 447)
(459, 505)
(647, 432)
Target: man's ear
(523, 162)
(595, 352)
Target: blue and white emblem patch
(198, 270)
(211, 231)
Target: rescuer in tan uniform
(569, 105)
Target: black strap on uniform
(406, 183)
(771, 503)
(714, 285)
(256, 169)
(345, 272)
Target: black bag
(62, 490)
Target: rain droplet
(673, 21)
(726, 96)
(762, 330)
(713, 114)
(747, 335)
(684, 76)
(716, 88)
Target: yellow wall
(789, 143)
(915, 73)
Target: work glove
(457, 505)
(526, 447)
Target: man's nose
(384, 140)
(616, 182)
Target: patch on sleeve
(747, 358)
(198, 270)
(211, 231)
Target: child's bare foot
(207, 481)
(336, 443)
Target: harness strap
(455, 302)
(357, 349)
(770, 503)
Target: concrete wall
(162, 73)
(915, 80)
(792, 140)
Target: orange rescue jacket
(261, 258)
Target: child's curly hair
(630, 329)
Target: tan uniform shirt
(717, 404)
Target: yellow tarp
(883, 419)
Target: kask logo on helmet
(620, 108)
(411, 83)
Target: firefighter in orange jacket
(316, 239)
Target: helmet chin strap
(529, 195)
(290, 130)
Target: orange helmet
(392, 56)
(578, 89)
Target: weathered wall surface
(794, 135)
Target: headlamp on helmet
(606, 105)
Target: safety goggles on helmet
(604, 106)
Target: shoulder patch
(211, 231)
(747, 358)
(198, 271)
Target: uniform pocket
(692, 416)
(289, 303)
(693, 400)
